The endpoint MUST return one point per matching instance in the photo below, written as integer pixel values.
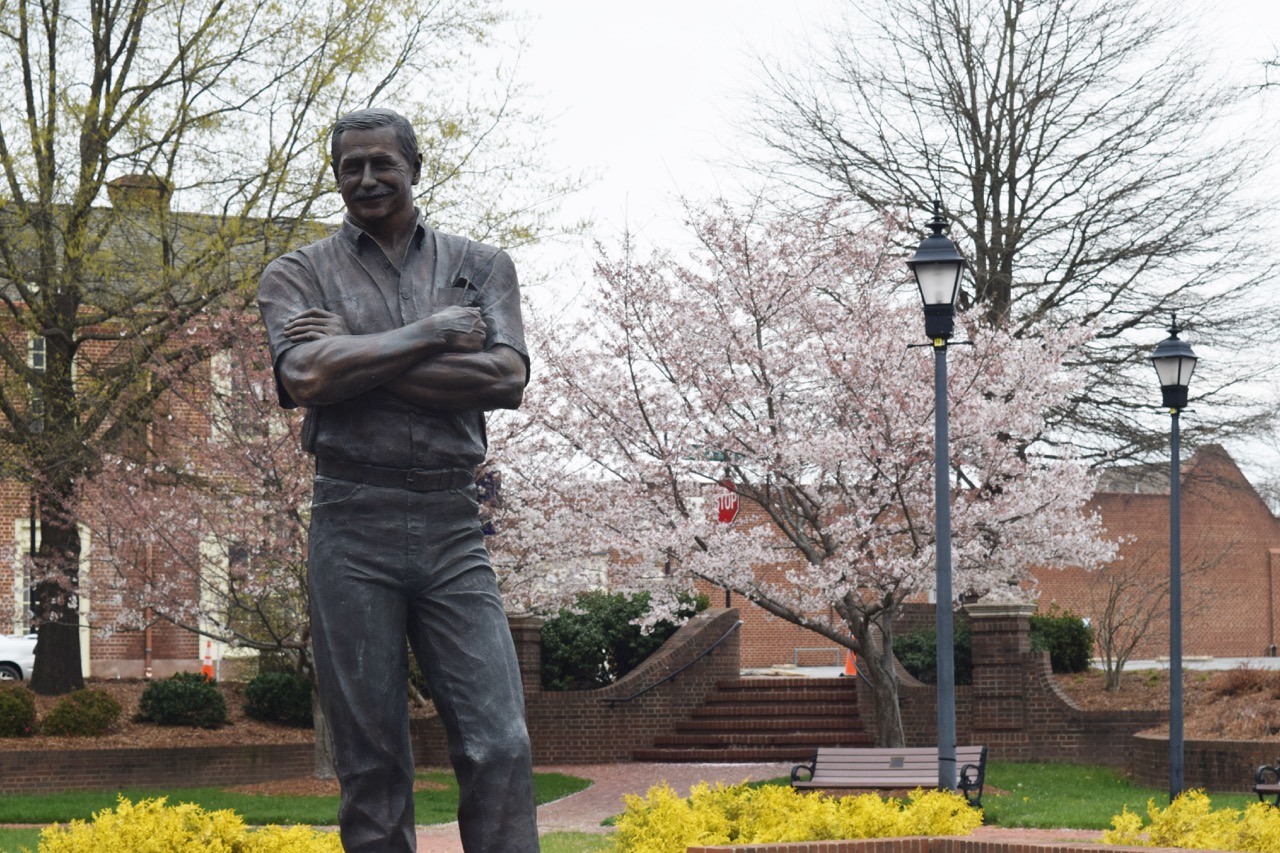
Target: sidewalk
(583, 811)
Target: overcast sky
(647, 97)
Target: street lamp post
(937, 267)
(1174, 362)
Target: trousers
(384, 564)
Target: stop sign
(727, 502)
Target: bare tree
(214, 106)
(1128, 598)
(1082, 148)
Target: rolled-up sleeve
(500, 304)
(287, 287)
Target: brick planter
(48, 771)
(1215, 765)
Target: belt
(413, 479)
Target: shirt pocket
(465, 297)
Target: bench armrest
(972, 778)
(805, 769)
(1265, 781)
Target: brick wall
(1216, 765)
(916, 845)
(109, 769)
(585, 726)
(1014, 706)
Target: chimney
(139, 193)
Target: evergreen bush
(917, 651)
(594, 643)
(1065, 636)
(17, 711)
(185, 699)
(84, 713)
(279, 697)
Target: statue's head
(371, 119)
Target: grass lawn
(13, 840)
(430, 806)
(1058, 796)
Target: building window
(36, 360)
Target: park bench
(908, 767)
(1266, 783)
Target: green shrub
(17, 711)
(185, 828)
(917, 651)
(663, 821)
(84, 713)
(279, 697)
(1065, 636)
(594, 643)
(186, 699)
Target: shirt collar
(353, 233)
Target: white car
(17, 656)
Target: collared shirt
(349, 275)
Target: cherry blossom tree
(777, 355)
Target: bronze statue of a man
(397, 339)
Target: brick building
(126, 280)
(1230, 559)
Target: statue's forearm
(494, 379)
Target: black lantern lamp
(1174, 362)
(937, 266)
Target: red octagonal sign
(727, 502)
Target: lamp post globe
(1174, 362)
(937, 266)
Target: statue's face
(375, 178)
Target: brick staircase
(765, 719)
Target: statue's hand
(460, 329)
(314, 324)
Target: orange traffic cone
(206, 667)
(851, 664)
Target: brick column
(1002, 661)
(526, 631)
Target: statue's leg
(356, 569)
(459, 632)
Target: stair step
(800, 709)
(849, 684)
(765, 719)
(788, 724)
(826, 695)
(809, 739)
(728, 754)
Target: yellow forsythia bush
(150, 826)
(1191, 822)
(663, 822)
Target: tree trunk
(324, 766)
(55, 599)
(884, 684)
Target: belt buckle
(417, 479)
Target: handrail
(670, 675)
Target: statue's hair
(370, 119)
